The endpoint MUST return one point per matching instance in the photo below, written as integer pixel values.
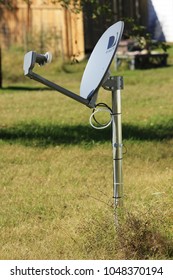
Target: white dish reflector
(100, 60)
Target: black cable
(101, 104)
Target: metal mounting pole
(117, 143)
(115, 84)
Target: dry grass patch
(56, 172)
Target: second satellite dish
(100, 60)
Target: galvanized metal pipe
(117, 146)
(115, 84)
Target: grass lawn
(56, 171)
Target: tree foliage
(75, 6)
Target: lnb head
(42, 59)
(32, 57)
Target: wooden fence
(43, 26)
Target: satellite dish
(96, 71)
(100, 60)
(96, 74)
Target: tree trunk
(0, 68)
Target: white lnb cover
(48, 55)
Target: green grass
(56, 171)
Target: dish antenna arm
(31, 58)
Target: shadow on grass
(155, 132)
(35, 134)
(24, 88)
(51, 134)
